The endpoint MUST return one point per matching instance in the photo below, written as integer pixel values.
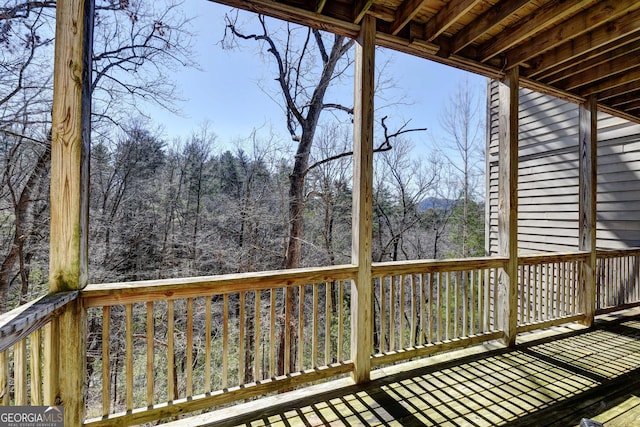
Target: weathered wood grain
(17, 324)
(362, 205)
(507, 301)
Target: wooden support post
(69, 200)
(362, 214)
(588, 118)
(507, 304)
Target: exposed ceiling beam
(485, 22)
(613, 82)
(361, 9)
(405, 13)
(607, 69)
(621, 101)
(573, 27)
(294, 14)
(590, 59)
(597, 64)
(320, 5)
(542, 18)
(598, 38)
(618, 91)
(447, 16)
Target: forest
(196, 205)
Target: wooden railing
(548, 289)
(423, 307)
(163, 348)
(158, 349)
(22, 363)
(617, 279)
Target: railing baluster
(242, 353)
(20, 373)
(4, 378)
(530, 294)
(35, 363)
(189, 349)
(401, 310)
(129, 356)
(430, 307)
(423, 300)
(171, 369)
(440, 331)
(383, 313)
(447, 288)
(225, 341)
(256, 337)
(392, 313)
(327, 323)
(476, 289)
(301, 301)
(106, 384)
(272, 334)
(414, 310)
(539, 303)
(287, 331)
(340, 318)
(466, 304)
(456, 303)
(207, 345)
(314, 334)
(150, 337)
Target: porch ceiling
(571, 49)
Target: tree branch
(385, 145)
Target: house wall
(548, 176)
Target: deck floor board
(553, 381)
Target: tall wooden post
(588, 134)
(362, 214)
(70, 200)
(507, 309)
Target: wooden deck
(552, 380)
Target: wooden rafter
(573, 27)
(634, 106)
(593, 59)
(488, 20)
(618, 91)
(448, 15)
(545, 17)
(603, 70)
(361, 9)
(565, 48)
(320, 5)
(603, 36)
(405, 13)
(613, 82)
(625, 100)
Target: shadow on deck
(552, 381)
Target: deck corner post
(507, 310)
(69, 200)
(362, 213)
(588, 148)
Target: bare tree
(461, 120)
(136, 41)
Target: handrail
(552, 257)
(18, 323)
(612, 253)
(99, 295)
(434, 265)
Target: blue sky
(226, 91)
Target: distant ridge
(436, 203)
